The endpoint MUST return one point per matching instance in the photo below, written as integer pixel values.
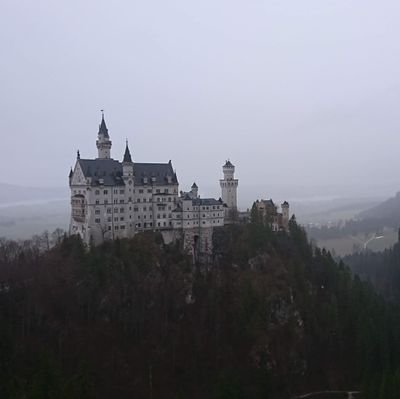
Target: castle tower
(127, 164)
(103, 142)
(285, 214)
(229, 186)
(194, 191)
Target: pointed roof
(103, 128)
(71, 173)
(127, 155)
(228, 164)
(194, 185)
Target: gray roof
(228, 164)
(206, 201)
(103, 128)
(110, 171)
(156, 173)
(127, 155)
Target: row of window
(140, 191)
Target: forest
(270, 316)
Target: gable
(78, 178)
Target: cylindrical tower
(229, 186)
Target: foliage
(270, 317)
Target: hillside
(269, 317)
(388, 212)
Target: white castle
(112, 199)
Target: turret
(285, 214)
(127, 164)
(194, 191)
(71, 173)
(103, 142)
(229, 187)
(228, 170)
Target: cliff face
(269, 316)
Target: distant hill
(388, 212)
(10, 193)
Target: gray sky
(293, 92)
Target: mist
(295, 94)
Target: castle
(112, 199)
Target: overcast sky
(301, 92)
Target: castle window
(121, 219)
(158, 224)
(121, 192)
(158, 199)
(135, 209)
(164, 216)
(105, 192)
(97, 220)
(170, 216)
(145, 208)
(109, 219)
(165, 224)
(140, 191)
(164, 199)
(97, 192)
(158, 216)
(116, 227)
(151, 224)
(115, 210)
(97, 211)
(109, 227)
(123, 227)
(108, 210)
(115, 191)
(166, 190)
(115, 201)
(149, 190)
(204, 222)
(138, 200)
(144, 217)
(121, 201)
(97, 202)
(169, 199)
(144, 200)
(158, 191)
(138, 217)
(105, 202)
(122, 210)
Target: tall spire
(127, 155)
(103, 142)
(103, 128)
